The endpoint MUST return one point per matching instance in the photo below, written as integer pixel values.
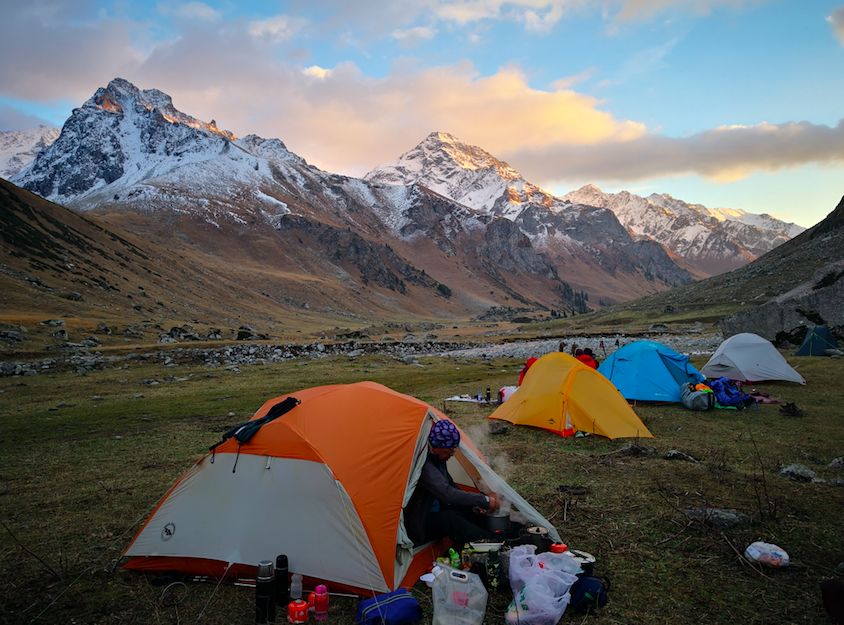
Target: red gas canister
(559, 547)
(297, 612)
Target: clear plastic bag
(459, 598)
(561, 562)
(767, 554)
(522, 566)
(540, 585)
(542, 601)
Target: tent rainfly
(649, 371)
(561, 394)
(748, 357)
(325, 483)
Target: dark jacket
(435, 491)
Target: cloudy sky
(730, 103)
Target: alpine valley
(447, 231)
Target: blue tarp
(649, 371)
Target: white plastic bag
(767, 554)
(459, 598)
(542, 601)
(563, 562)
(522, 566)
(540, 585)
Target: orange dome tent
(324, 484)
(561, 394)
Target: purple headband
(444, 435)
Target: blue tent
(817, 341)
(649, 371)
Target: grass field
(84, 458)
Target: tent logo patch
(168, 531)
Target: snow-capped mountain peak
(465, 173)
(120, 93)
(19, 147)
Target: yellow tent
(561, 394)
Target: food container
(586, 560)
(483, 546)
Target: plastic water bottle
(453, 558)
(296, 586)
(321, 603)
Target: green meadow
(85, 457)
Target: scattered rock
(165, 339)
(719, 518)
(60, 334)
(497, 427)
(214, 334)
(245, 333)
(53, 322)
(634, 449)
(91, 341)
(231, 414)
(73, 296)
(13, 336)
(102, 328)
(837, 463)
(674, 454)
(798, 473)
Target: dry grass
(79, 474)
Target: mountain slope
(18, 148)
(710, 241)
(797, 284)
(130, 155)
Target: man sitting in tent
(437, 507)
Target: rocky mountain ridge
(131, 155)
(710, 241)
(582, 237)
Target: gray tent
(749, 357)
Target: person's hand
(493, 503)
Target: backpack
(394, 608)
(696, 400)
(588, 594)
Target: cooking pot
(536, 536)
(498, 522)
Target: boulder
(719, 518)
(798, 473)
(245, 333)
